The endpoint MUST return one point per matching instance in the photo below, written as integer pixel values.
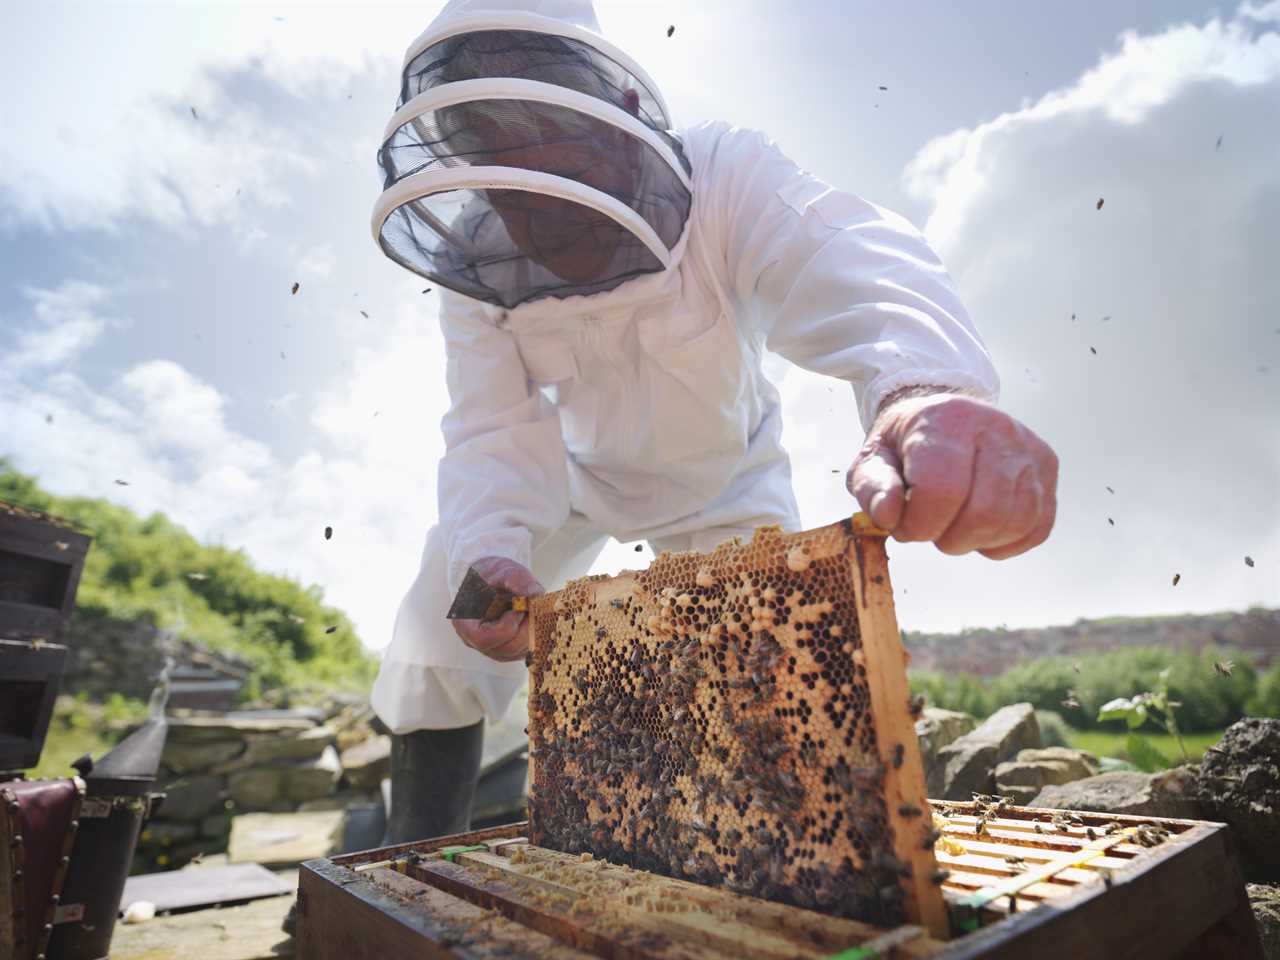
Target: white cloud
(165, 431)
(955, 171)
(317, 262)
(65, 326)
(1177, 409)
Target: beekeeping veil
(528, 157)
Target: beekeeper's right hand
(506, 638)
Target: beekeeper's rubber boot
(433, 781)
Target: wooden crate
(491, 894)
(40, 562)
(740, 717)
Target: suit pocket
(552, 367)
(696, 393)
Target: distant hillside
(988, 652)
(151, 570)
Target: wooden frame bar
(1182, 898)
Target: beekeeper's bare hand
(506, 638)
(959, 472)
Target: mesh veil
(523, 164)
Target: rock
(188, 756)
(967, 765)
(314, 778)
(1023, 777)
(1240, 785)
(191, 798)
(230, 727)
(233, 933)
(285, 839)
(263, 750)
(256, 789)
(340, 801)
(937, 728)
(1265, 901)
(1166, 794)
(365, 764)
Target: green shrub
(150, 568)
(1077, 687)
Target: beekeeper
(609, 287)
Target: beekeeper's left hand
(959, 472)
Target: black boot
(433, 781)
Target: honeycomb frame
(738, 718)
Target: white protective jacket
(645, 410)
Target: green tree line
(151, 569)
(1076, 687)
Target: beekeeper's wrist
(910, 393)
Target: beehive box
(492, 894)
(739, 718)
(40, 562)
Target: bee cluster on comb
(726, 718)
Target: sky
(169, 171)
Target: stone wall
(216, 767)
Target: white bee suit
(642, 412)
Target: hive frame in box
(41, 558)
(490, 894)
(29, 679)
(738, 717)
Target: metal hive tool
(738, 718)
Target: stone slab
(250, 932)
(285, 838)
(184, 889)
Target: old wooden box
(29, 678)
(40, 562)
(491, 894)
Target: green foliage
(1113, 743)
(1143, 754)
(1077, 687)
(1054, 731)
(1265, 701)
(150, 568)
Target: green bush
(150, 568)
(1265, 701)
(1054, 731)
(1209, 699)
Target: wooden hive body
(738, 718)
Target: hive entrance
(737, 718)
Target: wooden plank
(904, 784)
(999, 867)
(574, 918)
(818, 928)
(1017, 817)
(746, 926)
(370, 916)
(1153, 908)
(1029, 839)
(423, 847)
(481, 932)
(1032, 854)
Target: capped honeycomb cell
(738, 718)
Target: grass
(1105, 743)
(78, 727)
